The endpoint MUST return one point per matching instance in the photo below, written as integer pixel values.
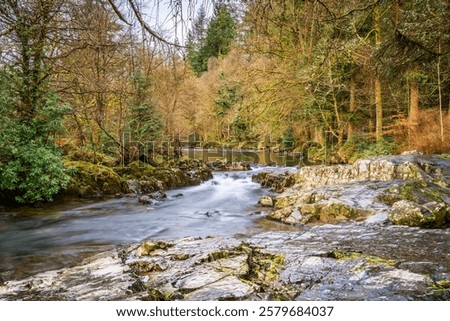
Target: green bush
(31, 169)
(33, 173)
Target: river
(61, 234)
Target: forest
(102, 81)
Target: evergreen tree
(196, 41)
(215, 42)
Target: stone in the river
(266, 201)
(409, 213)
(276, 181)
(158, 195)
(145, 199)
(213, 213)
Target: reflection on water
(33, 240)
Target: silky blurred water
(33, 240)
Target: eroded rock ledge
(352, 261)
(408, 190)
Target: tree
(215, 43)
(196, 41)
(31, 169)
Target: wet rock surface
(219, 165)
(274, 180)
(351, 261)
(410, 190)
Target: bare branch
(146, 27)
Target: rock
(326, 211)
(276, 181)
(228, 288)
(213, 213)
(147, 248)
(409, 213)
(266, 201)
(219, 165)
(328, 194)
(93, 180)
(145, 199)
(143, 267)
(158, 195)
(386, 168)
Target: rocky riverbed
(352, 261)
(348, 244)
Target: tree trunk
(413, 102)
(352, 106)
(378, 109)
(378, 101)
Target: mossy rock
(135, 170)
(90, 180)
(368, 259)
(419, 192)
(331, 211)
(430, 215)
(147, 248)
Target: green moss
(135, 170)
(283, 202)
(143, 267)
(369, 259)
(218, 255)
(442, 284)
(90, 179)
(263, 267)
(180, 257)
(375, 260)
(419, 192)
(155, 295)
(444, 156)
(147, 248)
(338, 255)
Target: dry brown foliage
(425, 136)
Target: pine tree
(214, 41)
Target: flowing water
(39, 239)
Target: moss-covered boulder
(409, 213)
(90, 180)
(325, 211)
(135, 170)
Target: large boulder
(324, 211)
(276, 181)
(90, 180)
(409, 213)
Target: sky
(172, 18)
